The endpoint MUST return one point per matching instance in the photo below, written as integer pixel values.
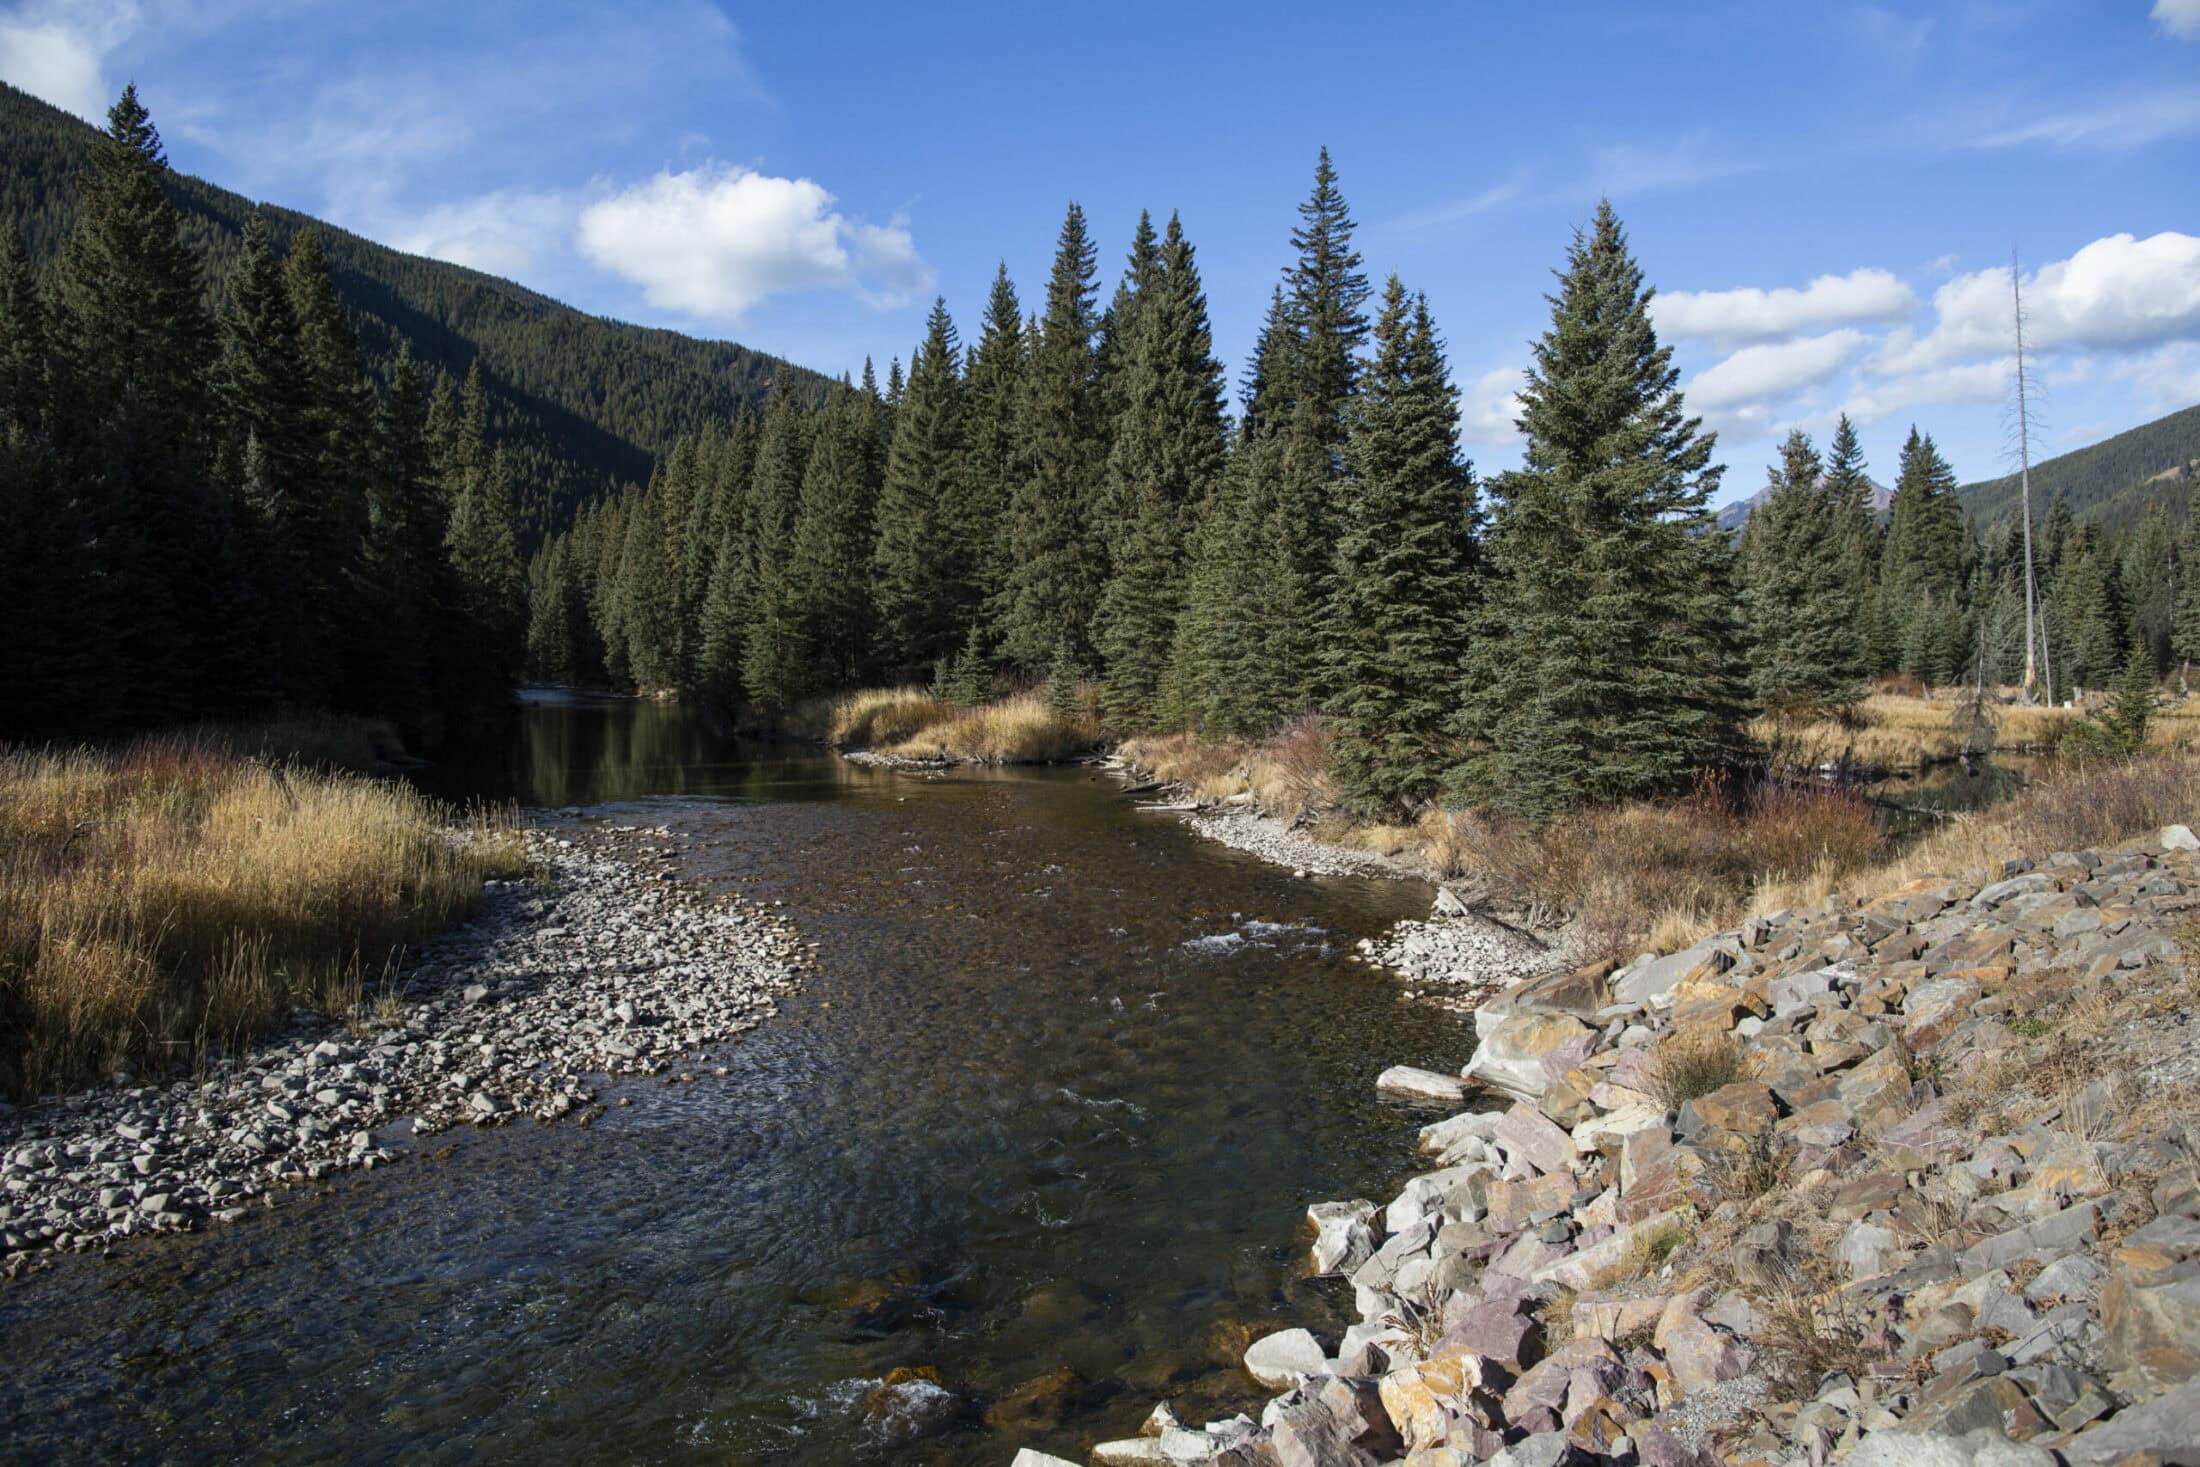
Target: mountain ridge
(582, 401)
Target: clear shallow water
(1043, 1123)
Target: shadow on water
(1037, 1137)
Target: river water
(1042, 1124)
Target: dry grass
(1695, 1062)
(878, 717)
(174, 896)
(1018, 730)
(1663, 874)
(1906, 730)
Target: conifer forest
(230, 511)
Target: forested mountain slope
(579, 401)
(2109, 483)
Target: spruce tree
(831, 555)
(1604, 669)
(1167, 453)
(2185, 636)
(1801, 605)
(2149, 583)
(924, 562)
(1055, 576)
(1856, 526)
(993, 454)
(770, 647)
(1399, 591)
(1923, 565)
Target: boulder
(1279, 1361)
(1420, 1399)
(2151, 1307)
(1936, 1008)
(1608, 1133)
(1619, 1257)
(2179, 838)
(1130, 1452)
(1510, 1057)
(1342, 1238)
(1404, 1082)
(1526, 1132)
(1026, 1457)
(1310, 1435)
(1441, 1136)
(1652, 983)
(2166, 1426)
(1983, 1448)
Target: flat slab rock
(1409, 1083)
(1281, 1360)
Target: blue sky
(1826, 196)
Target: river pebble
(599, 968)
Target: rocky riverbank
(607, 965)
(1910, 1181)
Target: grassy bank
(1903, 731)
(181, 894)
(908, 723)
(1663, 874)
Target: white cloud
(1964, 382)
(1750, 314)
(1759, 374)
(502, 233)
(2181, 18)
(2165, 379)
(1489, 407)
(56, 50)
(714, 241)
(2117, 293)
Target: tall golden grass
(909, 723)
(1909, 730)
(176, 896)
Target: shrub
(1696, 1062)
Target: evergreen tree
(1604, 667)
(770, 650)
(1923, 565)
(1856, 525)
(1399, 592)
(2149, 585)
(924, 563)
(831, 552)
(2133, 706)
(2089, 646)
(1801, 604)
(649, 590)
(1058, 558)
(484, 554)
(1167, 453)
(2185, 638)
(993, 453)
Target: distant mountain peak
(1736, 515)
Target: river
(1043, 1122)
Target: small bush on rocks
(1696, 1062)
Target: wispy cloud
(57, 50)
(1636, 168)
(2180, 18)
(2129, 122)
(1458, 211)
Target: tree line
(215, 514)
(1071, 495)
(1834, 598)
